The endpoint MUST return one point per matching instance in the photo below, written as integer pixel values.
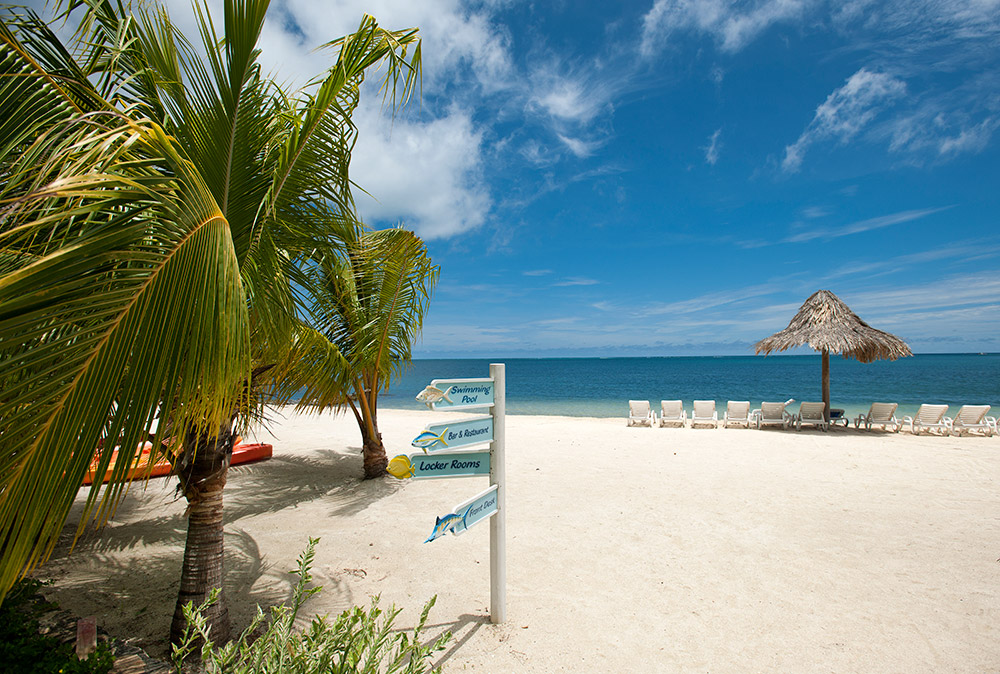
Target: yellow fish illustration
(400, 467)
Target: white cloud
(973, 139)
(580, 148)
(576, 281)
(712, 150)
(733, 26)
(863, 225)
(845, 112)
(425, 174)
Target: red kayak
(242, 453)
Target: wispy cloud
(732, 25)
(863, 225)
(580, 148)
(845, 112)
(713, 147)
(537, 272)
(576, 281)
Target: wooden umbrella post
(826, 385)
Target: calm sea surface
(602, 387)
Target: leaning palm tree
(155, 209)
(368, 308)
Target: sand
(629, 549)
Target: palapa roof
(825, 322)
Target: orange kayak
(242, 453)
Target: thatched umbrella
(827, 324)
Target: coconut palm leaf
(127, 297)
(369, 308)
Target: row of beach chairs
(970, 418)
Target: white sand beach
(629, 549)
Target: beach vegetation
(25, 650)
(359, 640)
(368, 308)
(158, 206)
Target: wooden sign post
(439, 460)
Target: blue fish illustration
(447, 523)
(427, 439)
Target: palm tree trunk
(373, 451)
(203, 481)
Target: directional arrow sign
(465, 515)
(439, 464)
(454, 434)
(453, 394)
(476, 509)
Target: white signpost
(437, 441)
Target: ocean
(602, 387)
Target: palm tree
(369, 305)
(155, 210)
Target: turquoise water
(601, 387)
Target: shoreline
(629, 549)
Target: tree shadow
(289, 481)
(134, 597)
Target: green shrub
(24, 651)
(359, 641)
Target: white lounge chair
(704, 413)
(928, 417)
(811, 414)
(672, 412)
(973, 418)
(773, 414)
(880, 414)
(737, 413)
(639, 413)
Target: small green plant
(359, 641)
(23, 650)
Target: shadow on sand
(127, 573)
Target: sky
(675, 177)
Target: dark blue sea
(602, 387)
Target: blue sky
(673, 177)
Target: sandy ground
(629, 549)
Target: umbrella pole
(826, 385)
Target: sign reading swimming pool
(453, 394)
(455, 434)
(439, 464)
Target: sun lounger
(639, 413)
(880, 414)
(672, 412)
(811, 414)
(838, 418)
(737, 413)
(973, 418)
(704, 413)
(928, 417)
(773, 414)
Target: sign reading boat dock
(455, 434)
(453, 394)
